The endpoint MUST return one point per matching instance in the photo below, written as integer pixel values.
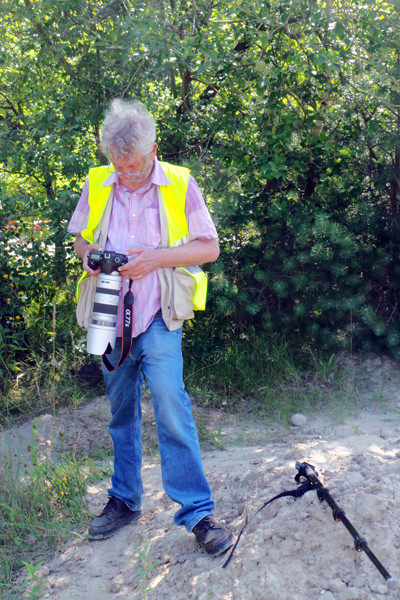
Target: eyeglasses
(125, 173)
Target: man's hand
(196, 252)
(83, 248)
(145, 262)
(85, 260)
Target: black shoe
(213, 537)
(114, 515)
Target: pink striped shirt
(135, 221)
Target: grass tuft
(40, 504)
(263, 373)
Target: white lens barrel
(102, 329)
(99, 337)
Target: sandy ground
(292, 550)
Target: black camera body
(108, 261)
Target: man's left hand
(195, 252)
(144, 263)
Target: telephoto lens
(102, 329)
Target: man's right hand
(83, 248)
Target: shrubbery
(287, 115)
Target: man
(142, 189)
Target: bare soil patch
(292, 549)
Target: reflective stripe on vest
(174, 199)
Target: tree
(287, 113)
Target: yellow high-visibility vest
(174, 199)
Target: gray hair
(127, 127)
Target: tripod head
(305, 470)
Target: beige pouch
(177, 285)
(87, 286)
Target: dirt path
(292, 549)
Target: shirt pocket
(147, 228)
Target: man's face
(134, 169)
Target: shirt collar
(158, 177)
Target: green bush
(283, 111)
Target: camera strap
(126, 332)
(297, 493)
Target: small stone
(299, 420)
(42, 572)
(115, 587)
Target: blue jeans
(157, 355)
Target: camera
(102, 329)
(107, 261)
